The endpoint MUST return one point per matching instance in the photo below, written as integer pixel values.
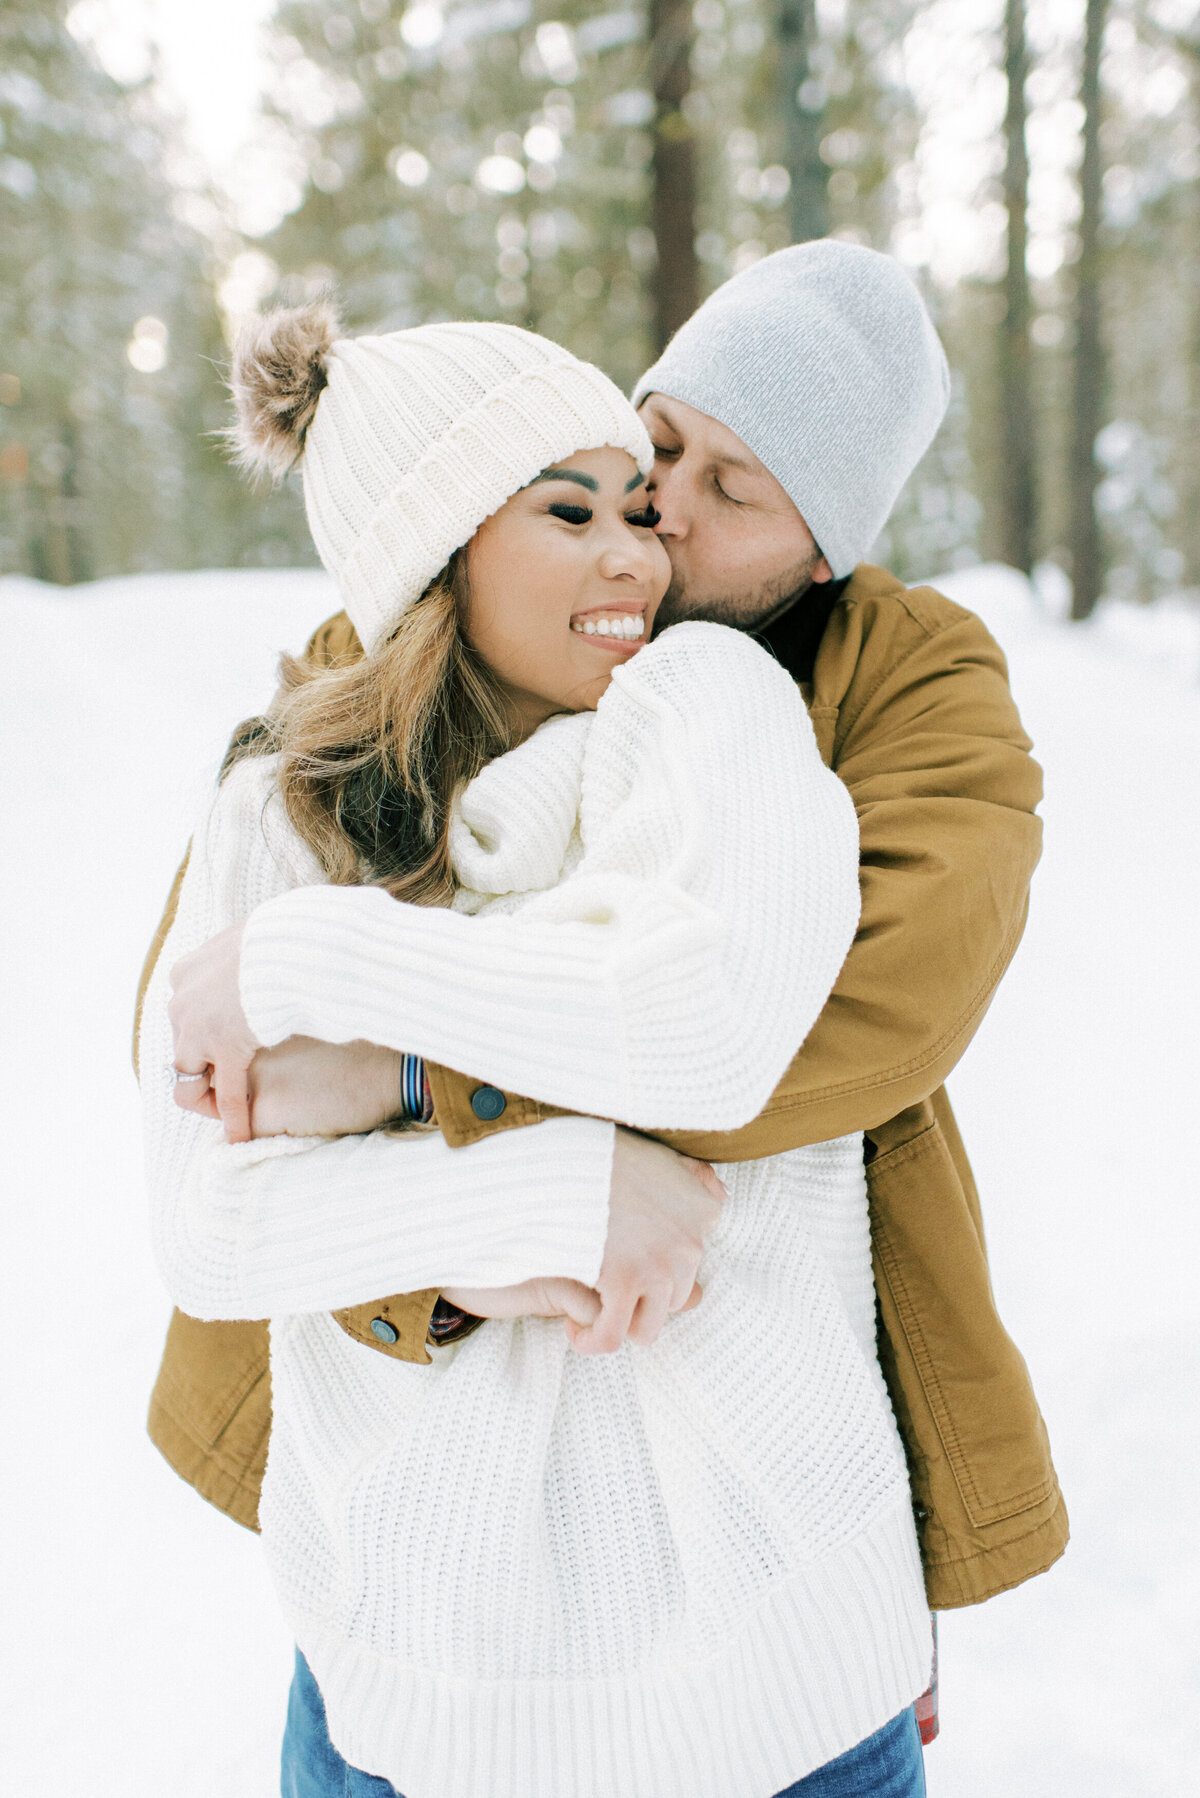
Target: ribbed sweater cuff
(523, 1009)
(300, 1224)
(277, 963)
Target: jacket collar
(794, 637)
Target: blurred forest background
(592, 171)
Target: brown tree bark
(59, 552)
(803, 120)
(1189, 48)
(1019, 448)
(1087, 554)
(673, 169)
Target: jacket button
(488, 1102)
(386, 1332)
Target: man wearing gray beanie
(786, 416)
(823, 362)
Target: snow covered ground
(142, 1654)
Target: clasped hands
(662, 1205)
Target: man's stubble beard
(742, 611)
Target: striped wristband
(416, 1100)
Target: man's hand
(661, 1207)
(309, 1088)
(211, 1033)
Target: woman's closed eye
(647, 518)
(572, 514)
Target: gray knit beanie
(824, 361)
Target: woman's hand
(577, 1304)
(213, 1039)
(662, 1206)
(304, 1087)
(527, 1298)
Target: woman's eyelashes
(647, 518)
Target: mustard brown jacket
(910, 701)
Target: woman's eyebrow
(569, 474)
(637, 480)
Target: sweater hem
(829, 1656)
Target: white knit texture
(681, 1572)
(664, 977)
(300, 1224)
(420, 435)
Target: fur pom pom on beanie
(407, 442)
(278, 377)
(824, 361)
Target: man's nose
(665, 493)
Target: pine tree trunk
(1191, 466)
(803, 122)
(1190, 471)
(1087, 564)
(673, 169)
(55, 560)
(1019, 470)
(63, 558)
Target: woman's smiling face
(564, 582)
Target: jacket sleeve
(302, 1224)
(939, 768)
(669, 979)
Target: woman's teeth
(622, 628)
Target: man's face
(740, 551)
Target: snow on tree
(108, 324)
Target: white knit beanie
(824, 361)
(409, 441)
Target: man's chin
(711, 609)
(741, 611)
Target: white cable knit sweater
(688, 1571)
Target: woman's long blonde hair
(373, 751)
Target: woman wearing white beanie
(625, 864)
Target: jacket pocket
(933, 1285)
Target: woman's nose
(629, 558)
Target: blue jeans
(887, 1765)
